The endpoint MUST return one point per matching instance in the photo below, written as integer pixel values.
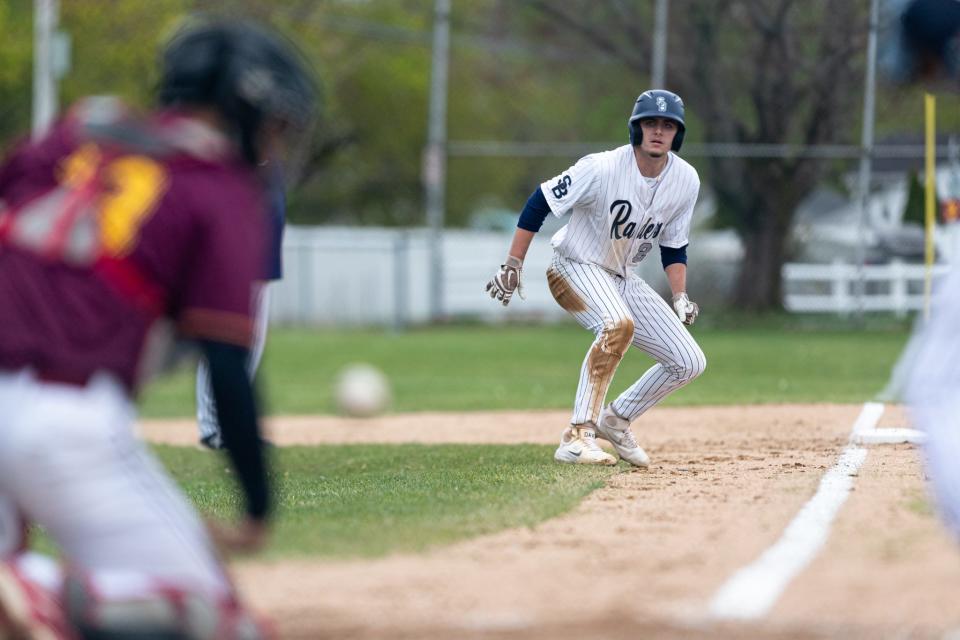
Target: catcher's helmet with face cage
(657, 103)
(253, 78)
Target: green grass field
(348, 501)
(468, 368)
(344, 501)
(351, 500)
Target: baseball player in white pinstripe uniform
(621, 203)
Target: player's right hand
(247, 536)
(506, 281)
(686, 310)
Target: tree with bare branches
(753, 71)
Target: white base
(889, 436)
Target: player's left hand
(686, 310)
(506, 281)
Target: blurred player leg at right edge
(207, 423)
(924, 48)
(621, 202)
(118, 232)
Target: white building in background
(826, 225)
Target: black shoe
(213, 442)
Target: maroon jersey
(108, 226)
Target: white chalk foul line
(869, 417)
(753, 590)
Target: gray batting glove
(686, 310)
(506, 281)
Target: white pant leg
(207, 422)
(933, 396)
(69, 459)
(659, 333)
(591, 295)
(11, 518)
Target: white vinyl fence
(380, 277)
(896, 287)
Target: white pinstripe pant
(620, 312)
(933, 395)
(207, 422)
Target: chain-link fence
(774, 97)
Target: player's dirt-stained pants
(620, 312)
(70, 461)
(933, 395)
(207, 423)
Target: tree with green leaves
(16, 60)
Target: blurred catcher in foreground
(115, 232)
(924, 47)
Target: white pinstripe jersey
(616, 214)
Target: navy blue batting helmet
(250, 75)
(657, 103)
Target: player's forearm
(535, 211)
(521, 243)
(239, 422)
(677, 277)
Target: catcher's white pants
(207, 423)
(933, 395)
(71, 463)
(620, 312)
(11, 528)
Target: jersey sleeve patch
(576, 185)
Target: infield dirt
(641, 557)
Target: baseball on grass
(362, 391)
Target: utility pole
(866, 156)
(45, 17)
(435, 157)
(658, 72)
